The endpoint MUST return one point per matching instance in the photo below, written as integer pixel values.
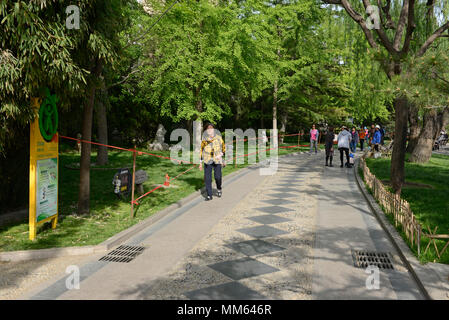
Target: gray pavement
(346, 224)
(286, 236)
(444, 150)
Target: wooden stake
(134, 179)
(298, 140)
(235, 149)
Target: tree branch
(389, 24)
(359, 19)
(381, 33)
(123, 80)
(332, 1)
(432, 38)
(440, 77)
(401, 25)
(134, 69)
(410, 27)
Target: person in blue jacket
(377, 138)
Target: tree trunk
(102, 157)
(443, 120)
(199, 123)
(238, 113)
(423, 149)
(433, 123)
(415, 128)
(84, 188)
(400, 141)
(275, 105)
(189, 125)
(430, 17)
(198, 131)
(284, 119)
(283, 125)
(275, 94)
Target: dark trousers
(208, 176)
(346, 150)
(362, 142)
(329, 155)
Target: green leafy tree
(98, 47)
(405, 29)
(36, 51)
(426, 83)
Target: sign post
(43, 206)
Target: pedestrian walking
(382, 133)
(314, 133)
(377, 138)
(344, 139)
(371, 135)
(212, 152)
(329, 146)
(362, 136)
(355, 140)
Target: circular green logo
(48, 117)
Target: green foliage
(310, 80)
(37, 50)
(191, 66)
(207, 61)
(426, 79)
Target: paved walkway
(286, 236)
(345, 224)
(443, 150)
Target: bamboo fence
(400, 210)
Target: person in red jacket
(362, 136)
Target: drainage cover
(364, 259)
(123, 254)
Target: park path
(285, 236)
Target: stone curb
(24, 255)
(412, 264)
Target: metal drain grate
(123, 254)
(364, 259)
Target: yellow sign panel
(43, 172)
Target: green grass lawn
(108, 215)
(430, 205)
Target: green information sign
(48, 116)
(47, 188)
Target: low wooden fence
(400, 210)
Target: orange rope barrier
(169, 158)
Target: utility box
(122, 182)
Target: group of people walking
(344, 140)
(213, 149)
(348, 140)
